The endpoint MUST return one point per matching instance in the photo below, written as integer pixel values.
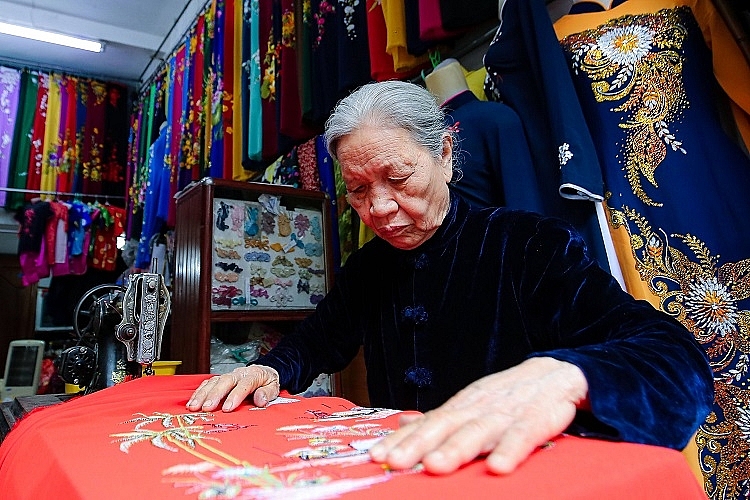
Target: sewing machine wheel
(103, 301)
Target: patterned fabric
(252, 69)
(216, 97)
(36, 154)
(227, 95)
(69, 146)
(93, 138)
(308, 166)
(328, 186)
(353, 51)
(313, 448)
(324, 64)
(678, 200)
(48, 180)
(104, 254)
(10, 87)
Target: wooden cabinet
(245, 252)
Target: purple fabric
(10, 84)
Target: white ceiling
(138, 35)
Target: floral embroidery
(351, 29)
(639, 65)
(324, 9)
(703, 295)
(564, 154)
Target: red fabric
(75, 450)
(105, 245)
(308, 165)
(93, 139)
(69, 158)
(269, 63)
(34, 175)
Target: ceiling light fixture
(50, 37)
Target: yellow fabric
(395, 24)
(731, 71)
(51, 140)
(365, 234)
(475, 79)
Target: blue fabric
(493, 154)
(158, 177)
(527, 71)
(491, 288)
(680, 187)
(328, 186)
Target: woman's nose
(382, 203)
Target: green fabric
(20, 150)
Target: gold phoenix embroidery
(635, 60)
(704, 295)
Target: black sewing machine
(119, 331)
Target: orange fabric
(137, 439)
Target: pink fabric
(430, 23)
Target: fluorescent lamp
(50, 37)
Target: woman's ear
(446, 158)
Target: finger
(201, 394)
(475, 437)
(513, 447)
(407, 446)
(261, 380)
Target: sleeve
(649, 380)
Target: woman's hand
(234, 387)
(506, 415)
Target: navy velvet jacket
(490, 289)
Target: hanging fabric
(678, 188)
(48, 180)
(19, 154)
(10, 89)
(36, 154)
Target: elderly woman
(494, 322)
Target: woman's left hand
(506, 415)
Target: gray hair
(391, 104)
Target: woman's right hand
(232, 388)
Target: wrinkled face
(398, 189)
